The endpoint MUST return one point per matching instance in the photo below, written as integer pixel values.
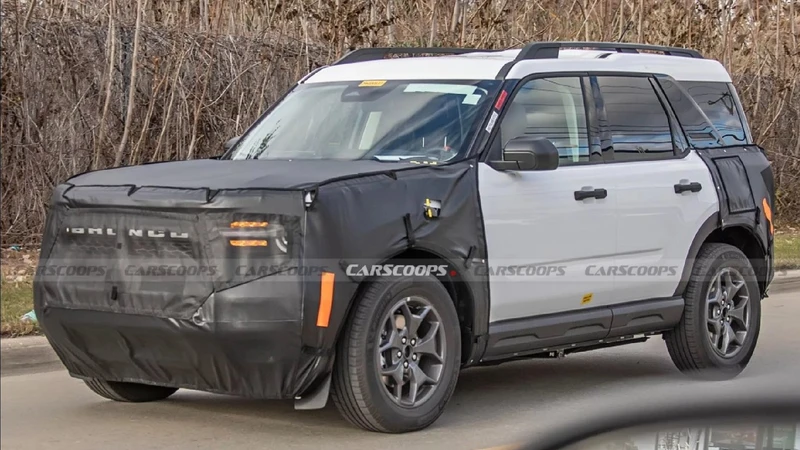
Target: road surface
(491, 407)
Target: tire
(129, 392)
(359, 391)
(690, 342)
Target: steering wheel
(439, 153)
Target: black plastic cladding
(738, 174)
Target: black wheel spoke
(417, 320)
(395, 372)
(739, 312)
(428, 345)
(393, 341)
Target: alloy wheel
(411, 351)
(728, 312)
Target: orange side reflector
(246, 243)
(249, 224)
(325, 300)
(768, 215)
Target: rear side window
(639, 125)
(719, 104)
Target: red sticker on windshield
(500, 100)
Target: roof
(486, 65)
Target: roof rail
(546, 50)
(374, 53)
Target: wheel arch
(739, 236)
(457, 286)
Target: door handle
(590, 193)
(691, 187)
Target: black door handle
(597, 193)
(692, 187)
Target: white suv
(391, 221)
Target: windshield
(375, 119)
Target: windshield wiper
(397, 158)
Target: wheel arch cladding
(430, 213)
(743, 239)
(744, 183)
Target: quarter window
(553, 109)
(718, 103)
(639, 125)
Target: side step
(561, 351)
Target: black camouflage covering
(236, 321)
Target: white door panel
(532, 219)
(656, 225)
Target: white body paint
(533, 219)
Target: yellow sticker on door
(372, 83)
(586, 299)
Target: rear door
(541, 236)
(663, 191)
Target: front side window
(376, 119)
(552, 109)
(639, 125)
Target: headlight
(257, 232)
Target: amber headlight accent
(255, 231)
(248, 243)
(242, 224)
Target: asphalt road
(491, 407)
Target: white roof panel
(483, 66)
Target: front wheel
(718, 332)
(398, 359)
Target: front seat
(513, 124)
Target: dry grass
(787, 249)
(16, 300)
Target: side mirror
(527, 153)
(231, 142)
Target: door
(541, 236)
(663, 193)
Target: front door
(541, 236)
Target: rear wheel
(718, 332)
(129, 392)
(398, 360)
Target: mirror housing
(230, 143)
(528, 153)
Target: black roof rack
(546, 50)
(374, 53)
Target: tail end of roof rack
(550, 50)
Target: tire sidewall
(387, 409)
(731, 258)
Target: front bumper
(241, 342)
